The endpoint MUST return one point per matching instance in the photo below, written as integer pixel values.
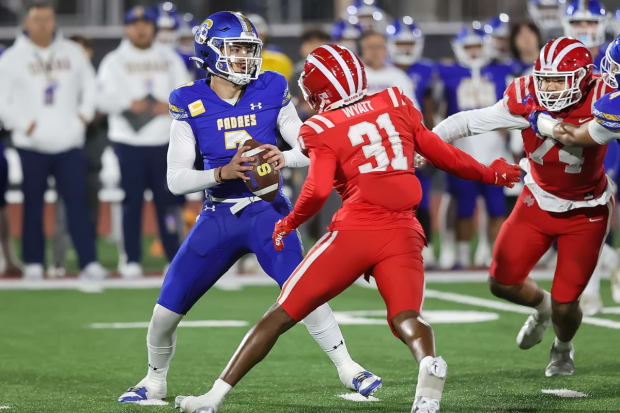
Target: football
(264, 179)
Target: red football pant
(394, 257)
(529, 232)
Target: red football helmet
(333, 76)
(566, 59)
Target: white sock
(219, 390)
(322, 326)
(463, 249)
(161, 341)
(561, 345)
(544, 308)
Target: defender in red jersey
(567, 197)
(364, 147)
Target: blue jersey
(421, 73)
(220, 127)
(462, 93)
(606, 111)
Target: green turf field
(52, 361)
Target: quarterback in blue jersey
(218, 114)
(603, 129)
(474, 81)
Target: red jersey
(365, 151)
(568, 172)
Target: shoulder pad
(607, 111)
(176, 102)
(518, 94)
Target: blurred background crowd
(84, 90)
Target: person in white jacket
(134, 82)
(47, 98)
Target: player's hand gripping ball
(264, 177)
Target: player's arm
(315, 191)
(86, 110)
(112, 95)
(181, 176)
(478, 121)
(456, 162)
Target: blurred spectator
(379, 74)
(134, 82)
(48, 97)
(310, 40)
(346, 34)
(525, 42)
(96, 141)
(273, 58)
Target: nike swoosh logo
(583, 120)
(595, 219)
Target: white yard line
(564, 393)
(504, 306)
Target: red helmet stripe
(549, 58)
(313, 60)
(563, 53)
(343, 65)
(358, 68)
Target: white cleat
(533, 330)
(561, 363)
(482, 257)
(145, 390)
(590, 304)
(93, 272)
(131, 271)
(33, 272)
(197, 404)
(425, 405)
(362, 381)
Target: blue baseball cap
(140, 13)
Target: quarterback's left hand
(274, 155)
(281, 230)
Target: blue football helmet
(610, 65)
(588, 11)
(405, 41)
(346, 34)
(497, 31)
(227, 45)
(468, 36)
(546, 14)
(367, 16)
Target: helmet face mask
(405, 41)
(235, 57)
(561, 74)
(610, 65)
(471, 49)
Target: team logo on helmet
(203, 31)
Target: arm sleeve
(478, 121)
(180, 73)
(317, 187)
(601, 134)
(112, 94)
(181, 176)
(89, 89)
(289, 125)
(450, 159)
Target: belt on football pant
(239, 203)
